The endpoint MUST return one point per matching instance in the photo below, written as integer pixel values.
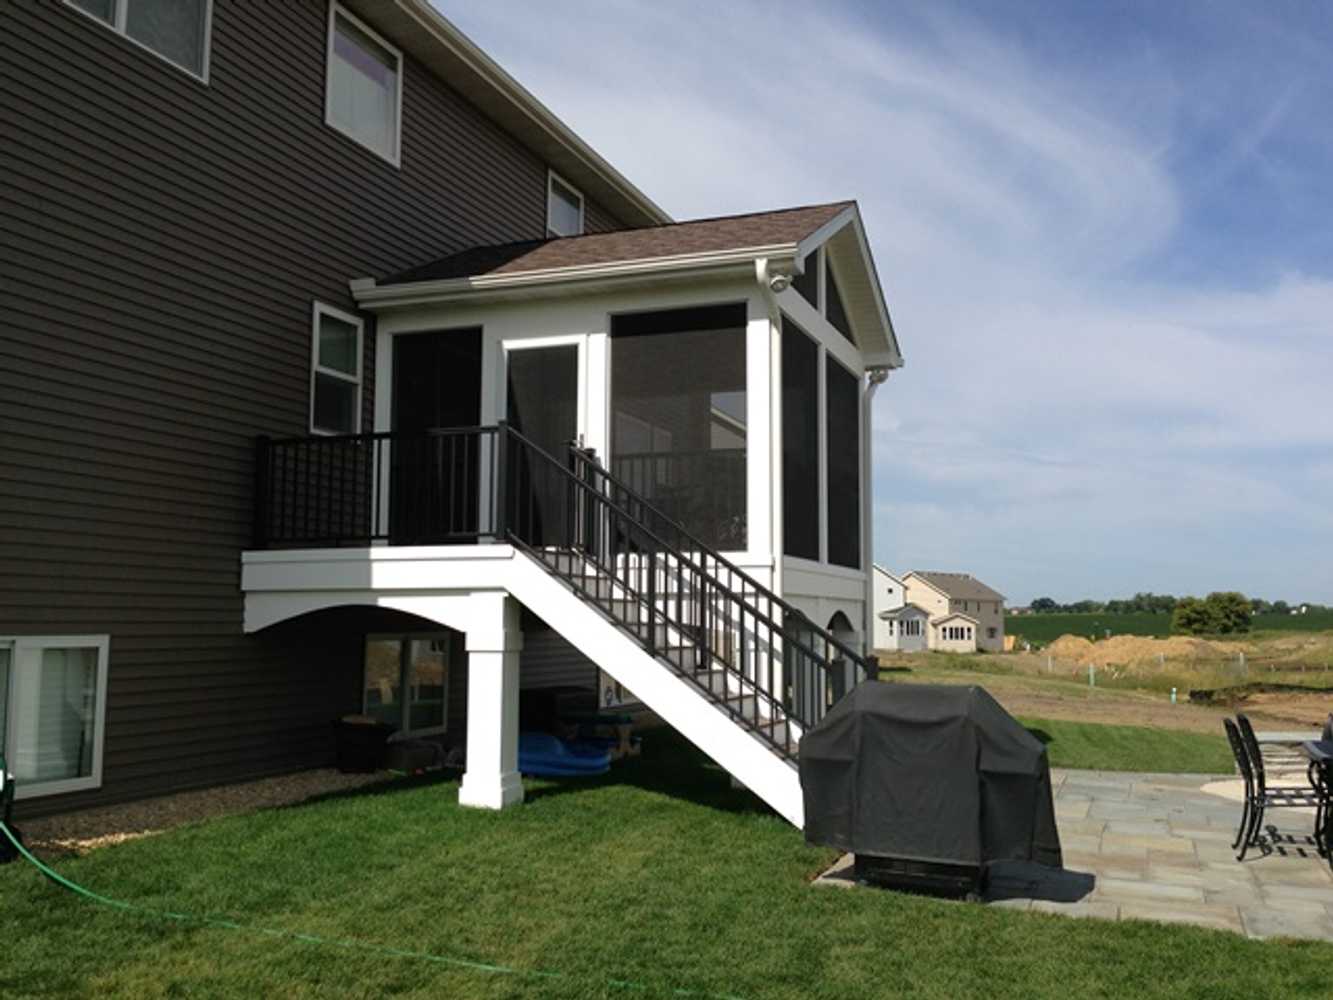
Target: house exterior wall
(939, 641)
(888, 591)
(162, 241)
(925, 596)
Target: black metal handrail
(722, 622)
(692, 542)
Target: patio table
(1282, 747)
(1320, 755)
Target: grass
(1041, 629)
(660, 874)
(1130, 748)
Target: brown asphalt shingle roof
(699, 236)
(960, 586)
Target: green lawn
(661, 875)
(1131, 748)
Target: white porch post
(494, 639)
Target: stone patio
(1159, 848)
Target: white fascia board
(370, 295)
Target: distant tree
(1232, 611)
(1085, 607)
(1119, 607)
(1281, 608)
(1192, 617)
(1044, 605)
(1259, 606)
(1220, 613)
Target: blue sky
(1105, 234)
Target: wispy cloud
(1075, 416)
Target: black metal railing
(754, 654)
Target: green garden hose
(6, 788)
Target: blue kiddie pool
(547, 756)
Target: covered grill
(927, 785)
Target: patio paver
(1159, 848)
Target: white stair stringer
(673, 698)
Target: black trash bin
(359, 743)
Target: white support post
(494, 639)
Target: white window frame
(119, 18)
(405, 715)
(337, 10)
(21, 645)
(551, 178)
(321, 309)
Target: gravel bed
(80, 832)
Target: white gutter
(371, 295)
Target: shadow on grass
(668, 765)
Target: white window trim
(26, 643)
(551, 178)
(320, 309)
(404, 716)
(117, 24)
(337, 10)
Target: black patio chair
(1327, 735)
(1258, 794)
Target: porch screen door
(434, 498)
(542, 404)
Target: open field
(658, 880)
(1026, 687)
(1041, 629)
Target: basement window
(365, 85)
(176, 30)
(407, 681)
(564, 207)
(53, 711)
(335, 372)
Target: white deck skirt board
(439, 581)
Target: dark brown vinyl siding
(161, 243)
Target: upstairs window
(335, 377)
(365, 85)
(564, 208)
(176, 30)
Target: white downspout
(875, 378)
(769, 286)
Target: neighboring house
(905, 629)
(313, 298)
(889, 596)
(945, 595)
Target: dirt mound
(1071, 647)
(1125, 650)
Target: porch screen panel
(844, 466)
(678, 417)
(800, 442)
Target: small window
(365, 94)
(807, 282)
(834, 310)
(407, 681)
(52, 711)
(335, 376)
(564, 208)
(176, 30)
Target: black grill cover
(928, 773)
